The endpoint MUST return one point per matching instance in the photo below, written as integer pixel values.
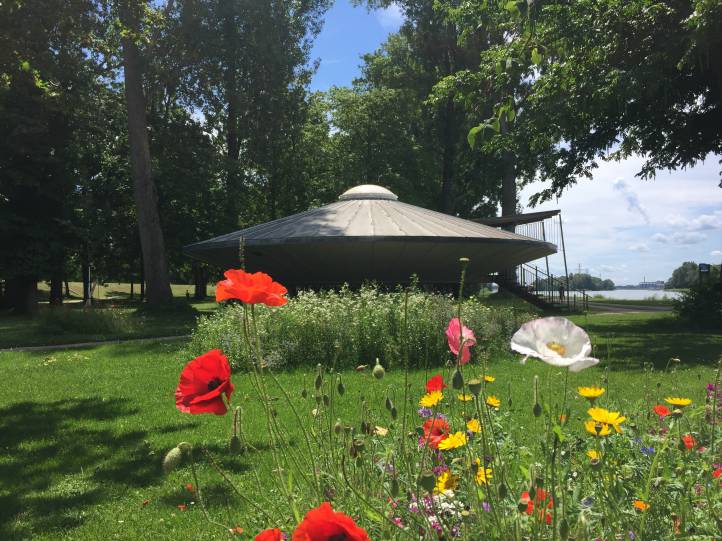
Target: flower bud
(172, 459)
(564, 529)
(340, 388)
(537, 409)
(389, 404)
(378, 370)
(427, 481)
(503, 491)
(338, 427)
(395, 487)
(326, 400)
(304, 393)
(457, 380)
(475, 386)
(394, 413)
(318, 382)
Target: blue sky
(615, 225)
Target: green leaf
(25, 65)
(536, 56)
(473, 132)
(512, 7)
(510, 115)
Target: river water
(636, 294)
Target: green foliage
(584, 281)
(347, 328)
(687, 275)
(701, 305)
(90, 321)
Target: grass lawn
(83, 432)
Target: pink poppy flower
(460, 338)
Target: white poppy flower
(556, 341)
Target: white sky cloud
(390, 18)
(716, 253)
(608, 221)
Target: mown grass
(83, 432)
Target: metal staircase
(543, 290)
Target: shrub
(86, 321)
(701, 305)
(347, 328)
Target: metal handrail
(550, 288)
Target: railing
(551, 289)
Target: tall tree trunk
(67, 289)
(146, 196)
(448, 157)
(56, 290)
(200, 281)
(233, 110)
(508, 182)
(87, 291)
(21, 294)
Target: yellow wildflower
(597, 429)
(429, 400)
(446, 481)
(600, 415)
(483, 475)
(677, 401)
(590, 393)
(465, 397)
(473, 425)
(493, 401)
(452, 441)
(593, 455)
(489, 379)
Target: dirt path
(79, 345)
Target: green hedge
(349, 328)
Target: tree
(146, 198)
(687, 275)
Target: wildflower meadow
(443, 460)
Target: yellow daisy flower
(590, 393)
(465, 397)
(483, 475)
(594, 455)
(489, 379)
(429, 400)
(493, 401)
(597, 429)
(452, 441)
(446, 481)
(677, 401)
(473, 425)
(600, 415)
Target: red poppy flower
(202, 383)
(250, 288)
(324, 524)
(661, 410)
(538, 501)
(460, 337)
(689, 441)
(436, 431)
(435, 383)
(717, 473)
(272, 534)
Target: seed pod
(340, 388)
(427, 481)
(389, 404)
(318, 381)
(394, 413)
(564, 529)
(326, 400)
(457, 380)
(503, 491)
(378, 370)
(475, 386)
(395, 487)
(304, 393)
(338, 427)
(172, 459)
(537, 410)
(318, 399)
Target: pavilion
(369, 235)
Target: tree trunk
(146, 197)
(67, 290)
(200, 281)
(56, 290)
(21, 294)
(87, 291)
(448, 157)
(131, 289)
(233, 146)
(508, 182)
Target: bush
(701, 305)
(86, 321)
(349, 328)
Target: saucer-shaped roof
(369, 235)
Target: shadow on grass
(654, 341)
(59, 458)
